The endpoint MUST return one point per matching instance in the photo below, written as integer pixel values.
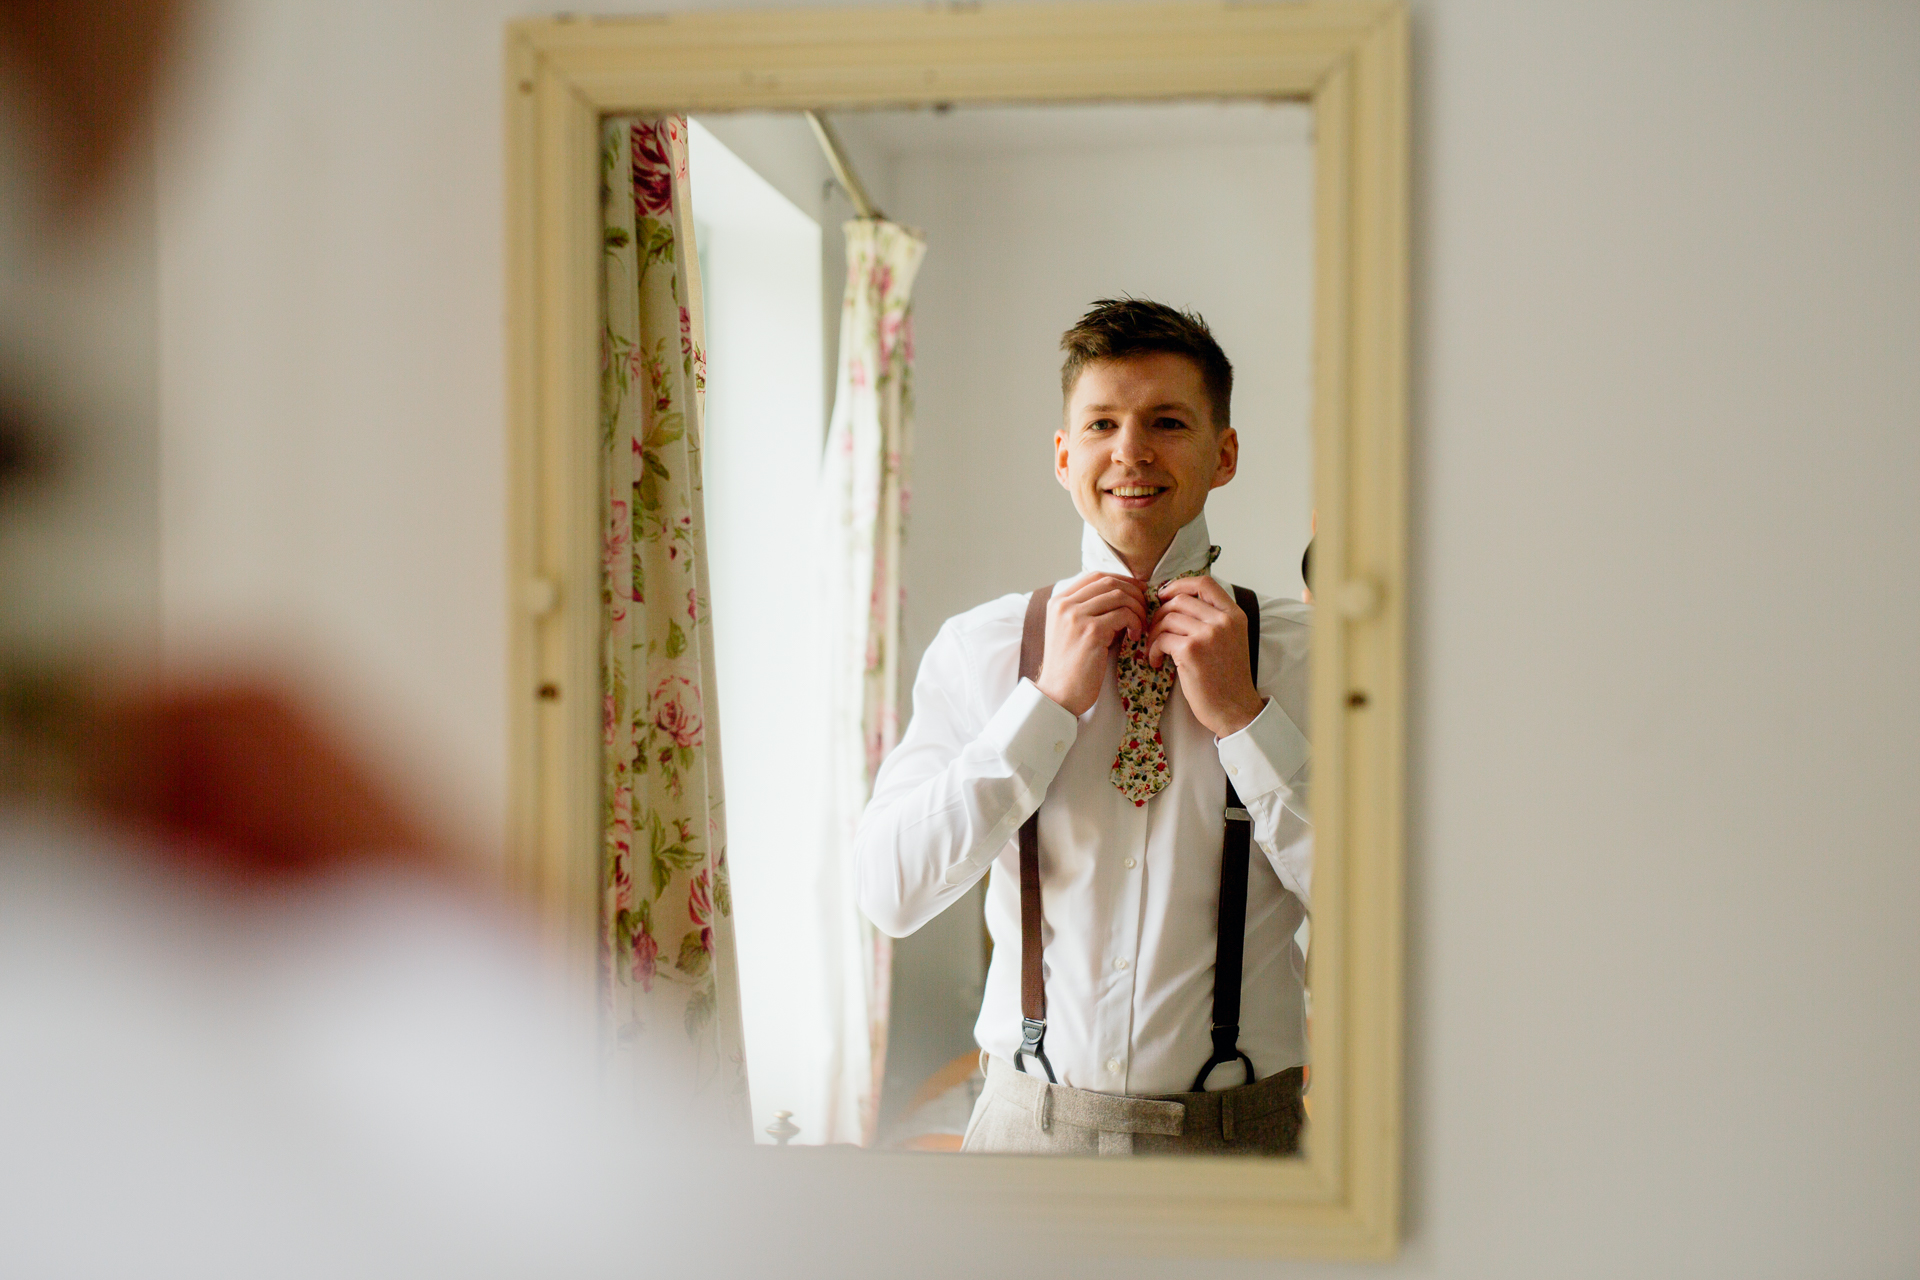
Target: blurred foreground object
(237, 783)
(355, 1079)
(253, 1023)
(257, 1025)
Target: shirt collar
(1185, 554)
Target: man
(1130, 782)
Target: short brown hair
(1116, 328)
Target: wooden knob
(1359, 598)
(541, 595)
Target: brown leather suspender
(1235, 855)
(1033, 983)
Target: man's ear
(1060, 457)
(1229, 461)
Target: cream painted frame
(1348, 58)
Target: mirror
(1342, 61)
(1029, 214)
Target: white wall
(1665, 720)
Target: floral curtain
(670, 979)
(864, 478)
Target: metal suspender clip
(1226, 1048)
(1033, 1036)
(1237, 814)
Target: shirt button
(1113, 1065)
(1059, 748)
(1129, 864)
(1121, 963)
(1234, 769)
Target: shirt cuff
(1266, 755)
(1032, 733)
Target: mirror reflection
(1006, 417)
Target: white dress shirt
(1130, 894)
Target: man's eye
(1171, 424)
(1103, 424)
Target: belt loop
(1226, 1116)
(1046, 1108)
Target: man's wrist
(1241, 718)
(1056, 697)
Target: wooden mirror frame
(1348, 59)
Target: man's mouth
(1136, 494)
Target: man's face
(1139, 452)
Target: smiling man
(1110, 749)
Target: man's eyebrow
(1158, 408)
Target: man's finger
(1198, 619)
(1120, 617)
(1200, 588)
(1108, 601)
(1178, 624)
(1084, 613)
(1114, 599)
(1166, 645)
(1094, 584)
(1192, 607)
(1094, 598)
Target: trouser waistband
(1201, 1119)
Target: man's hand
(1201, 628)
(1084, 622)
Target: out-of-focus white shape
(360, 1078)
(760, 277)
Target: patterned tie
(1140, 768)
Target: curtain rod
(842, 167)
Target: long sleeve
(1269, 765)
(962, 780)
(1269, 762)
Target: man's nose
(1132, 443)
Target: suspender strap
(1232, 927)
(1033, 986)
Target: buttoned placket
(1125, 857)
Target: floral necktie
(1140, 768)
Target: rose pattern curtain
(670, 980)
(864, 483)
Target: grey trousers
(1024, 1115)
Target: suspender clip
(1226, 1048)
(1033, 1036)
(1237, 814)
